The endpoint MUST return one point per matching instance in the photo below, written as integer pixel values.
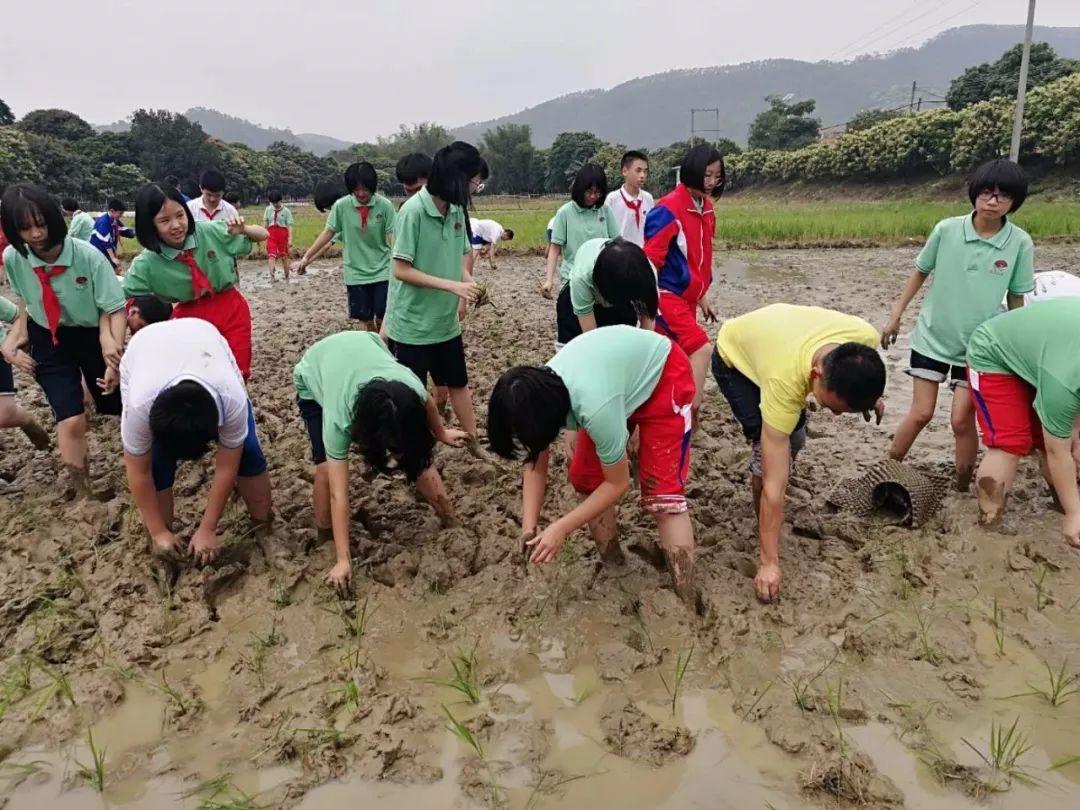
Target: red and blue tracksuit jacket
(679, 243)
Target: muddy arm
(533, 490)
(775, 467)
(1062, 468)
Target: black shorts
(927, 368)
(445, 361)
(568, 326)
(744, 397)
(367, 302)
(311, 413)
(62, 368)
(7, 379)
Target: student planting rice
(81, 225)
(611, 282)
(486, 236)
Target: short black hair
(508, 234)
(171, 180)
(697, 160)
(856, 374)
(151, 308)
(212, 180)
(115, 204)
(326, 193)
(625, 278)
(589, 176)
(1001, 174)
(24, 204)
(70, 204)
(361, 175)
(528, 406)
(390, 421)
(485, 170)
(631, 156)
(148, 201)
(452, 169)
(413, 168)
(184, 420)
(274, 196)
(231, 197)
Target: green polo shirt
(970, 276)
(365, 252)
(583, 293)
(9, 311)
(609, 373)
(573, 226)
(161, 274)
(331, 373)
(81, 226)
(1040, 343)
(284, 217)
(88, 287)
(433, 244)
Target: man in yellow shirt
(767, 363)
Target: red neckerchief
(49, 302)
(210, 215)
(633, 205)
(275, 217)
(200, 283)
(363, 210)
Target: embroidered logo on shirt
(457, 226)
(211, 254)
(999, 266)
(81, 281)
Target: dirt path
(862, 683)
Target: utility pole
(1021, 88)
(911, 104)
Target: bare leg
(924, 394)
(286, 265)
(461, 402)
(962, 418)
(320, 498)
(270, 264)
(430, 485)
(699, 362)
(12, 415)
(677, 540)
(165, 504)
(71, 436)
(255, 490)
(442, 396)
(605, 533)
(995, 479)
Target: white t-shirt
(1050, 284)
(631, 227)
(488, 230)
(163, 354)
(222, 213)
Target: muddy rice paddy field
(456, 677)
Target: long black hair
(694, 165)
(625, 278)
(528, 406)
(24, 205)
(452, 170)
(148, 201)
(390, 421)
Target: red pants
(1005, 411)
(228, 311)
(278, 243)
(678, 321)
(664, 454)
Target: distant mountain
(230, 129)
(655, 110)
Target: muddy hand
(546, 545)
(340, 576)
(767, 582)
(545, 290)
(204, 546)
(523, 547)
(879, 412)
(890, 333)
(167, 546)
(453, 438)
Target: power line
(903, 25)
(874, 30)
(938, 24)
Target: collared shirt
(1040, 344)
(163, 275)
(610, 373)
(200, 213)
(283, 218)
(775, 346)
(631, 227)
(364, 244)
(9, 311)
(433, 244)
(163, 354)
(584, 296)
(574, 226)
(969, 276)
(86, 290)
(81, 226)
(331, 373)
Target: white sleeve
(234, 427)
(135, 428)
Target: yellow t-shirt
(775, 346)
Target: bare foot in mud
(962, 482)
(38, 436)
(991, 501)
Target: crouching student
(766, 363)
(12, 415)
(351, 390)
(70, 325)
(611, 282)
(192, 264)
(182, 392)
(601, 385)
(1024, 373)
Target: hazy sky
(357, 69)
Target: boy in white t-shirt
(631, 202)
(486, 235)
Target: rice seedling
(484, 298)
(174, 698)
(93, 774)
(682, 663)
(282, 598)
(1061, 685)
(463, 732)
(465, 678)
(260, 647)
(58, 688)
(999, 627)
(318, 737)
(834, 700)
(219, 793)
(1065, 763)
(350, 694)
(926, 648)
(1042, 594)
(1007, 746)
(584, 694)
(746, 714)
(15, 773)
